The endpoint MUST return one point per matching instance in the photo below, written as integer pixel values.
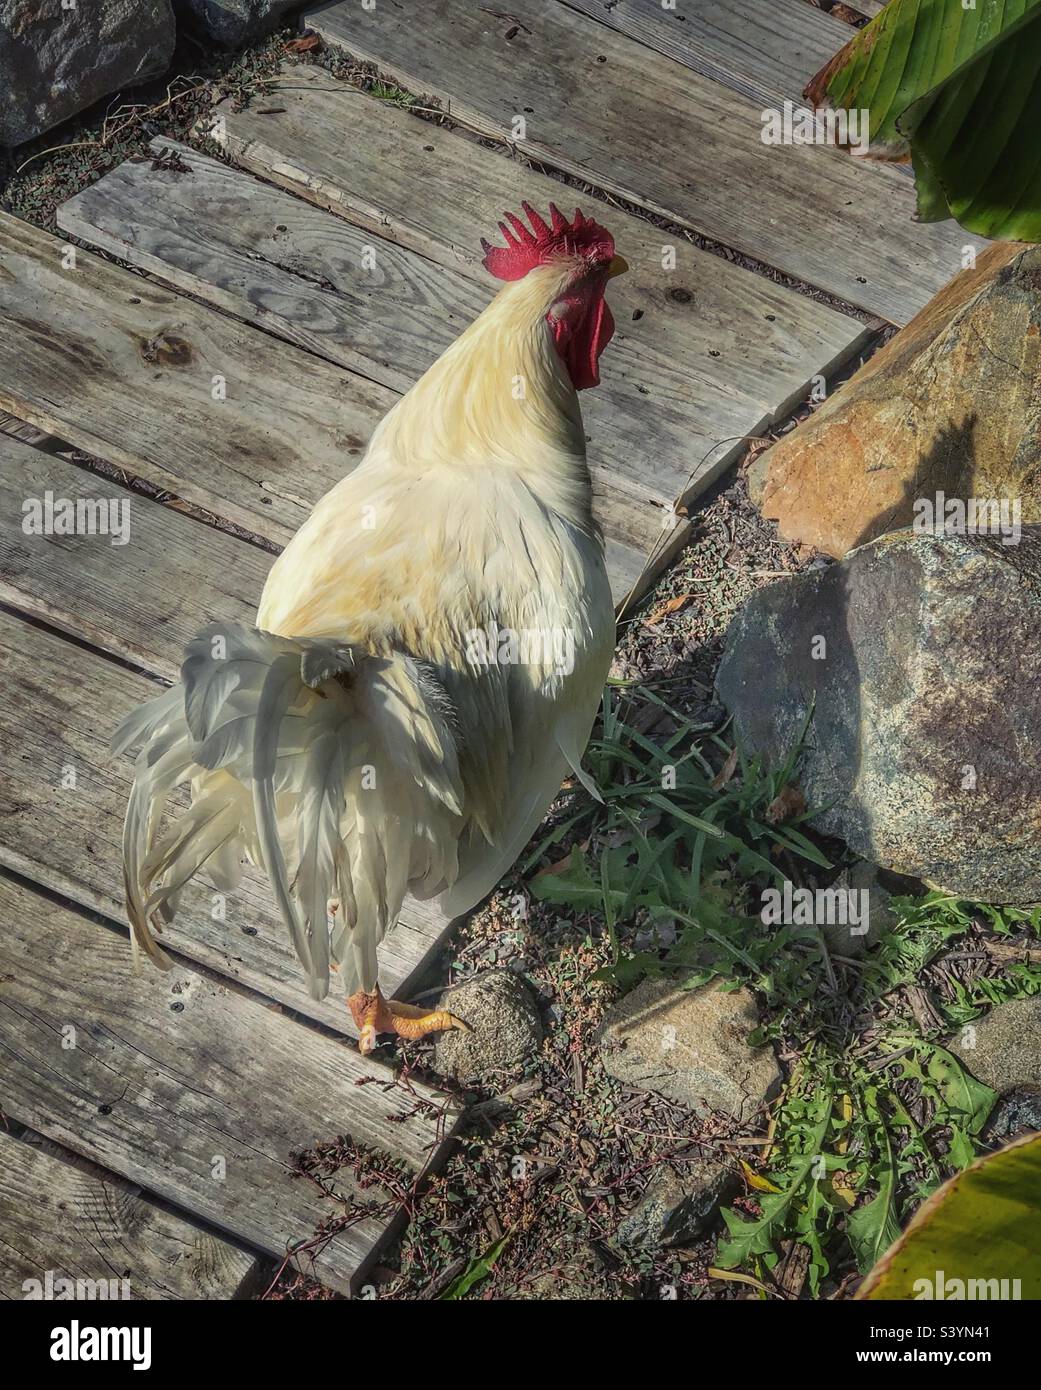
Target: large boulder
(952, 404)
(55, 62)
(235, 22)
(691, 1046)
(920, 656)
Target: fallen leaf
(725, 773)
(671, 605)
(561, 864)
(788, 802)
(846, 1114)
(845, 1195)
(731, 1277)
(757, 1180)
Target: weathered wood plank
(364, 303)
(767, 50)
(58, 1221)
(214, 410)
(353, 298)
(123, 368)
(598, 105)
(143, 600)
(54, 729)
(723, 349)
(194, 1091)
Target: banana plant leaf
(958, 92)
(975, 1237)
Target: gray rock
(1003, 1048)
(55, 62)
(677, 1207)
(691, 1046)
(235, 22)
(1017, 1112)
(501, 1010)
(922, 748)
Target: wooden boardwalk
(262, 311)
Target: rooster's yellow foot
(373, 1014)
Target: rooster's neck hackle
(500, 396)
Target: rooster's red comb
(527, 247)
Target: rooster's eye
(562, 319)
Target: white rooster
(429, 653)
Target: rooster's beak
(617, 267)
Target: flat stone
(691, 1046)
(678, 1206)
(55, 62)
(952, 403)
(919, 655)
(1003, 1048)
(501, 1010)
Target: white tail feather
(336, 771)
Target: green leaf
(799, 844)
(959, 1091)
(475, 1271)
(757, 1237)
(575, 887)
(959, 90)
(873, 1227)
(698, 822)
